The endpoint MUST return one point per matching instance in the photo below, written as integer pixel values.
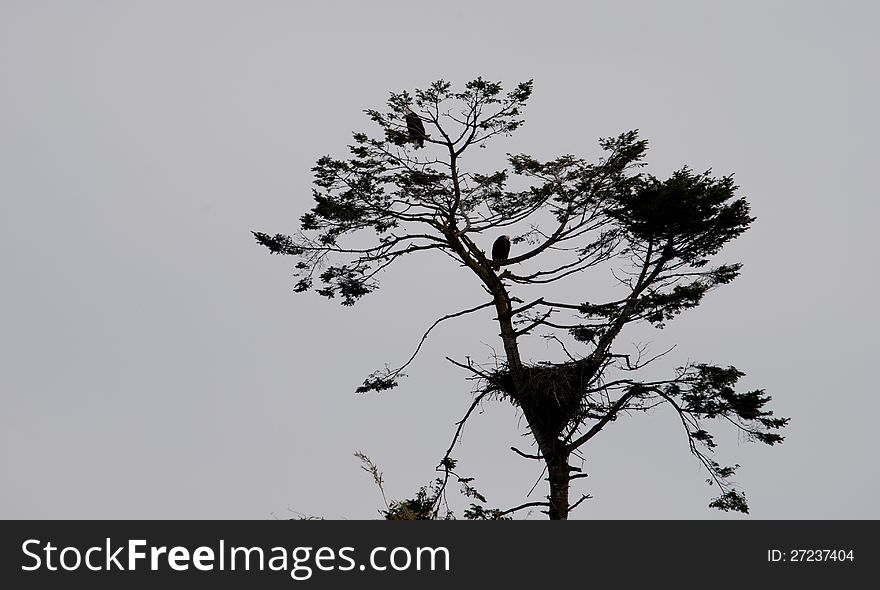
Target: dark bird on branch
(416, 129)
(500, 251)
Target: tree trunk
(559, 475)
(550, 447)
(555, 456)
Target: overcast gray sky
(156, 364)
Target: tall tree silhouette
(569, 220)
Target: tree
(574, 218)
(429, 502)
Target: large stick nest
(554, 395)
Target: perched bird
(416, 129)
(500, 250)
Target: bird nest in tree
(553, 394)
